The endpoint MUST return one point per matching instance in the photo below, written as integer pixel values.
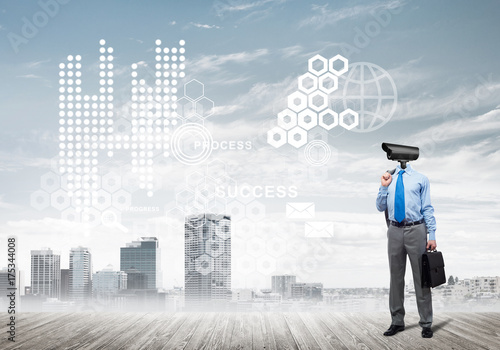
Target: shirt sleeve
(381, 202)
(427, 209)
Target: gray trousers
(409, 241)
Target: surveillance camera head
(400, 153)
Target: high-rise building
(80, 275)
(64, 284)
(207, 261)
(45, 273)
(144, 256)
(107, 282)
(283, 285)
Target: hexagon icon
(318, 100)
(246, 264)
(60, 200)
(328, 83)
(307, 119)
(349, 113)
(276, 137)
(204, 107)
(185, 107)
(204, 264)
(50, 182)
(223, 265)
(255, 211)
(297, 137)
(101, 200)
(214, 247)
(70, 214)
(308, 83)
(194, 179)
(276, 247)
(236, 210)
(216, 168)
(287, 119)
(334, 61)
(224, 229)
(266, 265)
(91, 217)
(40, 200)
(255, 247)
(297, 101)
(184, 197)
(195, 118)
(318, 65)
(206, 189)
(194, 89)
(111, 182)
(328, 119)
(121, 200)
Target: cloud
(324, 16)
(221, 8)
(36, 64)
(456, 129)
(217, 62)
(29, 76)
(205, 26)
(137, 40)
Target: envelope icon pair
(319, 229)
(300, 210)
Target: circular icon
(191, 144)
(369, 90)
(317, 153)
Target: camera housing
(400, 153)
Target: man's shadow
(436, 327)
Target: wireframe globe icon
(369, 90)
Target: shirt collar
(409, 170)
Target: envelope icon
(299, 210)
(319, 229)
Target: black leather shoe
(427, 332)
(393, 329)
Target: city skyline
(96, 98)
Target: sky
(433, 65)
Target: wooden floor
(39, 331)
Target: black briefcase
(432, 269)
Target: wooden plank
(241, 337)
(183, 335)
(216, 339)
(226, 340)
(268, 331)
(204, 331)
(79, 331)
(342, 325)
(321, 332)
(300, 332)
(164, 331)
(282, 335)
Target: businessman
(411, 218)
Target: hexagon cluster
(106, 194)
(308, 106)
(198, 194)
(194, 106)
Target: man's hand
(431, 245)
(386, 179)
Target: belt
(404, 224)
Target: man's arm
(428, 213)
(381, 202)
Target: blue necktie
(399, 198)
